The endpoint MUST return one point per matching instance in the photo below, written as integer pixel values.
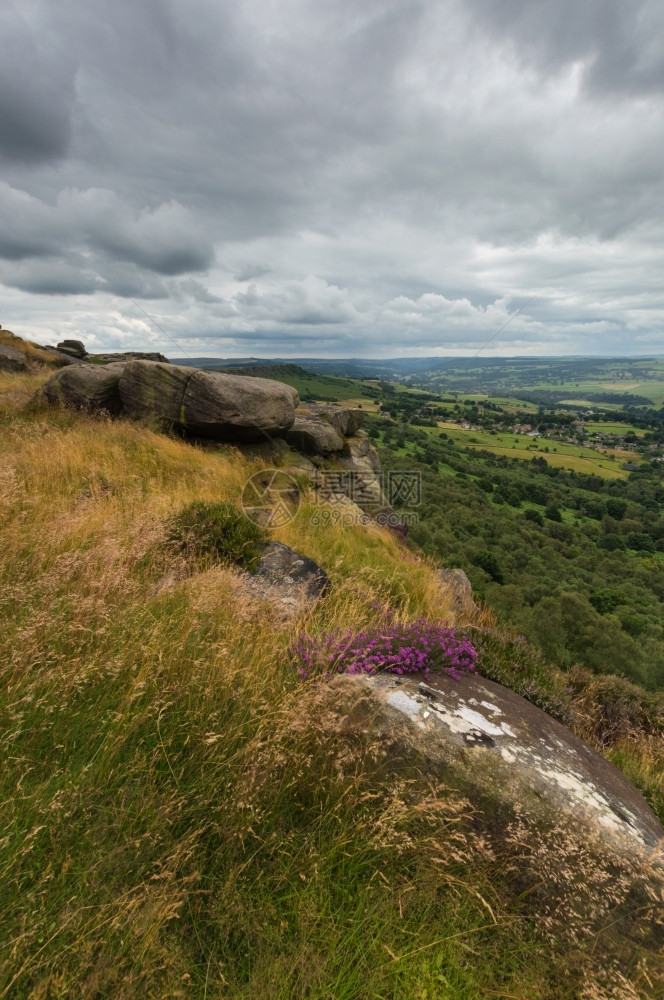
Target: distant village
(573, 428)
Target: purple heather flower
(397, 648)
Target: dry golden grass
(34, 352)
(180, 817)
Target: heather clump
(393, 647)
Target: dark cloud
(36, 91)
(362, 178)
(619, 44)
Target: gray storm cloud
(328, 177)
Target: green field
(589, 404)
(560, 453)
(598, 427)
(653, 389)
(572, 381)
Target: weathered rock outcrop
(346, 420)
(360, 459)
(86, 387)
(210, 404)
(75, 348)
(119, 356)
(12, 359)
(314, 437)
(456, 582)
(502, 750)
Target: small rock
(75, 348)
(291, 583)
(281, 565)
(456, 582)
(314, 436)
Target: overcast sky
(334, 178)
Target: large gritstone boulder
(209, 404)
(584, 844)
(85, 387)
(486, 738)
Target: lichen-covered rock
(281, 565)
(85, 387)
(289, 582)
(314, 436)
(153, 390)
(496, 745)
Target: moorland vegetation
(173, 825)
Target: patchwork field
(558, 453)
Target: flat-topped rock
(112, 357)
(210, 404)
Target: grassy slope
(171, 826)
(33, 352)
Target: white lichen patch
(476, 720)
(465, 719)
(547, 768)
(587, 795)
(401, 701)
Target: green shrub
(552, 512)
(217, 530)
(639, 541)
(607, 599)
(488, 562)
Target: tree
(552, 512)
(616, 508)
(487, 561)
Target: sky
(328, 178)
